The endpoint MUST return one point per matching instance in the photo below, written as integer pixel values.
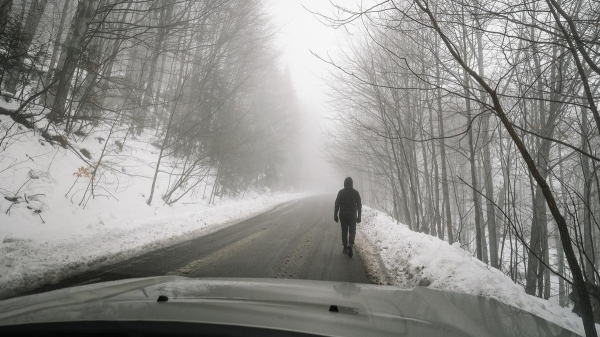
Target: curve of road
(297, 239)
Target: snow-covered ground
(48, 233)
(44, 255)
(412, 258)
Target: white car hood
(296, 305)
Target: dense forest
(199, 80)
(478, 122)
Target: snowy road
(297, 239)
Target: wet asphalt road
(296, 240)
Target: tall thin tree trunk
(402, 186)
(472, 154)
(538, 241)
(480, 177)
(487, 163)
(444, 161)
(410, 164)
(562, 290)
(429, 223)
(588, 247)
(436, 179)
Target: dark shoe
(345, 251)
(350, 251)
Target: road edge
(371, 260)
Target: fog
(299, 35)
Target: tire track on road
(297, 258)
(213, 260)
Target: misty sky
(299, 34)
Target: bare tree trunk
(487, 164)
(410, 164)
(57, 42)
(472, 154)
(480, 177)
(83, 16)
(538, 243)
(402, 186)
(429, 222)
(30, 27)
(588, 247)
(436, 179)
(562, 290)
(546, 256)
(392, 179)
(444, 162)
(475, 193)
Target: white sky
(300, 32)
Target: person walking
(349, 206)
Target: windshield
(444, 145)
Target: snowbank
(32, 259)
(50, 229)
(412, 258)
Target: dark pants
(348, 221)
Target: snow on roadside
(412, 258)
(31, 261)
(50, 228)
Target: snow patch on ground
(412, 259)
(12, 105)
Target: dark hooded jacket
(348, 199)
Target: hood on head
(348, 182)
